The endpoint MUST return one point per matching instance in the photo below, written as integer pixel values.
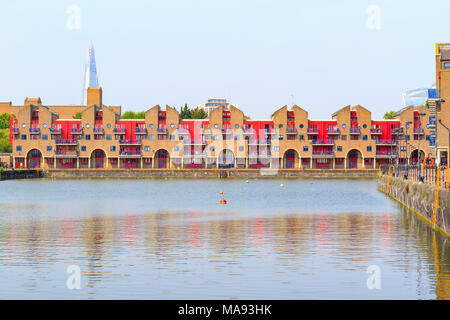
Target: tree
(140, 115)
(185, 112)
(4, 120)
(128, 115)
(4, 141)
(198, 113)
(389, 115)
(77, 115)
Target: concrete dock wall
(419, 198)
(209, 173)
(20, 174)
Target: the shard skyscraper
(90, 75)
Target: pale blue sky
(257, 53)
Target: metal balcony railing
(34, 130)
(76, 130)
(386, 153)
(291, 131)
(66, 141)
(312, 131)
(323, 141)
(66, 153)
(55, 130)
(140, 130)
(129, 153)
(270, 131)
(98, 130)
(130, 141)
(119, 130)
(385, 142)
(419, 131)
(355, 130)
(322, 153)
(162, 130)
(15, 130)
(376, 131)
(334, 131)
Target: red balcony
(376, 131)
(312, 131)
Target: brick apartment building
(48, 137)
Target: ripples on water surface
(170, 239)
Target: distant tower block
(90, 75)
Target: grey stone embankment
(419, 198)
(20, 174)
(210, 173)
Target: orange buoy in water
(223, 201)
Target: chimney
(94, 96)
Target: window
(49, 148)
(280, 137)
(236, 138)
(147, 148)
(44, 137)
(305, 148)
(339, 148)
(216, 137)
(151, 137)
(83, 148)
(364, 137)
(113, 148)
(364, 125)
(280, 126)
(344, 126)
(216, 126)
(172, 137)
(176, 148)
(87, 137)
(301, 126)
(19, 148)
(150, 125)
(108, 125)
(343, 137)
(24, 137)
(172, 125)
(301, 137)
(108, 137)
(211, 148)
(236, 126)
(276, 148)
(369, 148)
(241, 148)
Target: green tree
(4, 120)
(4, 141)
(185, 112)
(77, 115)
(198, 113)
(389, 115)
(140, 115)
(128, 115)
